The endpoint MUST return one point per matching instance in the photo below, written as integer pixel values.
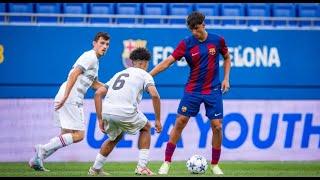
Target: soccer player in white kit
(68, 102)
(119, 112)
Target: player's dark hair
(140, 54)
(194, 19)
(104, 35)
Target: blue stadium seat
(208, 9)
(308, 10)
(258, 10)
(233, 9)
(180, 9)
(2, 10)
(74, 8)
(154, 9)
(128, 9)
(20, 8)
(284, 10)
(48, 8)
(100, 9)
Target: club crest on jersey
(184, 109)
(128, 46)
(212, 51)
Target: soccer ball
(197, 164)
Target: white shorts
(70, 116)
(117, 124)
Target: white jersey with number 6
(125, 91)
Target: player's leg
(101, 157)
(175, 135)
(144, 146)
(189, 106)
(109, 145)
(70, 119)
(115, 134)
(216, 126)
(214, 111)
(66, 138)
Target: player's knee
(147, 127)
(217, 129)
(78, 136)
(118, 138)
(180, 124)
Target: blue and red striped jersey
(203, 60)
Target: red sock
(215, 156)
(169, 151)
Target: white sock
(58, 142)
(48, 153)
(100, 161)
(143, 157)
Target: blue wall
(267, 64)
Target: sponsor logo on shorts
(184, 109)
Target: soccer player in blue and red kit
(201, 51)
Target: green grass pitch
(230, 168)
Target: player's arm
(163, 65)
(225, 85)
(177, 54)
(70, 82)
(156, 106)
(99, 94)
(96, 84)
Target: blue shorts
(190, 104)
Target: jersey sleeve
(224, 48)
(179, 52)
(107, 85)
(85, 61)
(148, 81)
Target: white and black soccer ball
(197, 164)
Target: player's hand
(59, 104)
(158, 126)
(225, 86)
(101, 125)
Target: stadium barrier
(254, 130)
